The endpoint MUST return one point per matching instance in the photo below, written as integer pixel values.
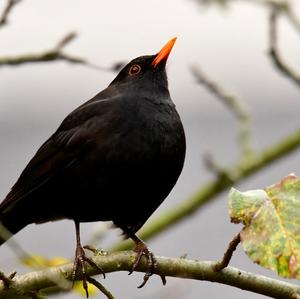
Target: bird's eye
(134, 70)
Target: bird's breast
(150, 131)
(139, 160)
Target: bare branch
(292, 17)
(55, 54)
(7, 9)
(228, 254)
(213, 166)
(235, 105)
(100, 287)
(5, 279)
(226, 2)
(273, 47)
(174, 267)
(64, 41)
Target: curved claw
(79, 267)
(142, 249)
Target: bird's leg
(80, 260)
(142, 249)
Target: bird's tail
(10, 224)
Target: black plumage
(115, 157)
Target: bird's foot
(142, 249)
(79, 267)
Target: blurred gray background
(229, 44)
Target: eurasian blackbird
(116, 157)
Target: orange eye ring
(134, 70)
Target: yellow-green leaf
(78, 288)
(271, 218)
(36, 261)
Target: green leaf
(271, 218)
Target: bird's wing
(72, 139)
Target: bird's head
(146, 71)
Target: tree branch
(175, 267)
(6, 11)
(226, 2)
(273, 44)
(56, 53)
(236, 107)
(209, 191)
(292, 17)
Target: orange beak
(164, 52)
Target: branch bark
(175, 267)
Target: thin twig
(235, 105)
(64, 41)
(7, 10)
(228, 254)
(5, 279)
(226, 2)
(214, 167)
(56, 53)
(100, 287)
(273, 47)
(292, 17)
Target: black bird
(116, 157)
